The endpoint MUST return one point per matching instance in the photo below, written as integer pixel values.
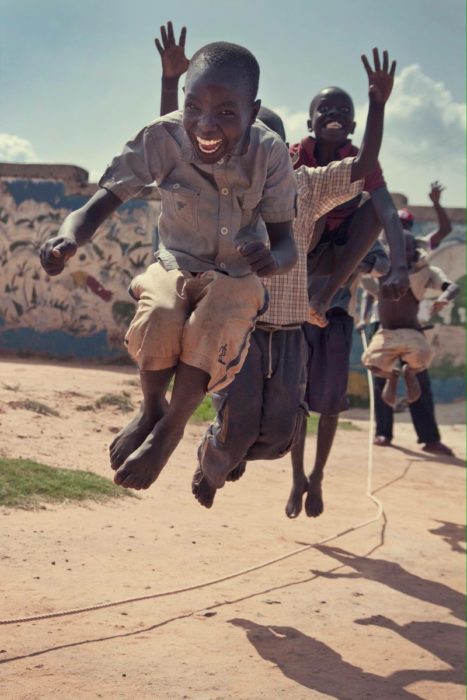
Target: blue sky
(79, 77)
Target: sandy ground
(376, 613)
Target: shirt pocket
(250, 203)
(182, 202)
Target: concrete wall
(82, 313)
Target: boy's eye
(346, 110)
(323, 109)
(191, 106)
(227, 113)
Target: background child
(228, 201)
(349, 231)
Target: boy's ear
(354, 124)
(310, 126)
(255, 110)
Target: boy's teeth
(208, 145)
(334, 125)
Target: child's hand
(174, 61)
(435, 194)
(55, 252)
(395, 284)
(379, 79)
(259, 257)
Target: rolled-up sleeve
(278, 202)
(134, 168)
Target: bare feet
(237, 473)
(317, 312)
(145, 464)
(389, 393)
(128, 439)
(438, 448)
(412, 384)
(382, 441)
(314, 505)
(294, 504)
(202, 489)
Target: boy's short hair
(222, 54)
(332, 88)
(273, 121)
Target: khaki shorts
(388, 346)
(202, 319)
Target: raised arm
(77, 229)
(174, 65)
(450, 291)
(380, 82)
(444, 223)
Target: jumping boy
(350, 230)
(228, 200)
(258, 414)
(400, 338)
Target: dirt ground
(375, 613)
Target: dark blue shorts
(328, 363)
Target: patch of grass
(36, 406)
(121, 401)
(313, 420)
(205, 412)
(25, 484)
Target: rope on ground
(243, 572)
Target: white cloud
(424, 137)
(294, 123)
(14, 149)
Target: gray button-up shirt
(207, 210)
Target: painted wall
(82, 313)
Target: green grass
(205, 413)
(25, 484)
(121, 401)
(36, 406)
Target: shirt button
(223, 266)
(225, 190)
(224, 230)
(175, 186)
(220, 162)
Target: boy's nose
(207, 124)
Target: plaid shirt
(319, 191)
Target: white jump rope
(257, 567)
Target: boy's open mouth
(209, 146)
(334, 125)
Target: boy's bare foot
(438, 448)
(382, 441)
(202, 489)
(145, 464)
(314, 505)
(389, 393)
(237, 473)
(293, 507)
(412, 384)
(317, 312)
(128, 439)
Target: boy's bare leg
(299, 486)
(154, 384)
(237, 472)
(389, 393)
(327, 427)
(145, 464)
(414, 390)
(363, 231)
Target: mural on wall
(85, 311)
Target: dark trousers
(422, 411)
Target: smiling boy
(349, 230)
(228, 200)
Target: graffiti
(90, 297)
